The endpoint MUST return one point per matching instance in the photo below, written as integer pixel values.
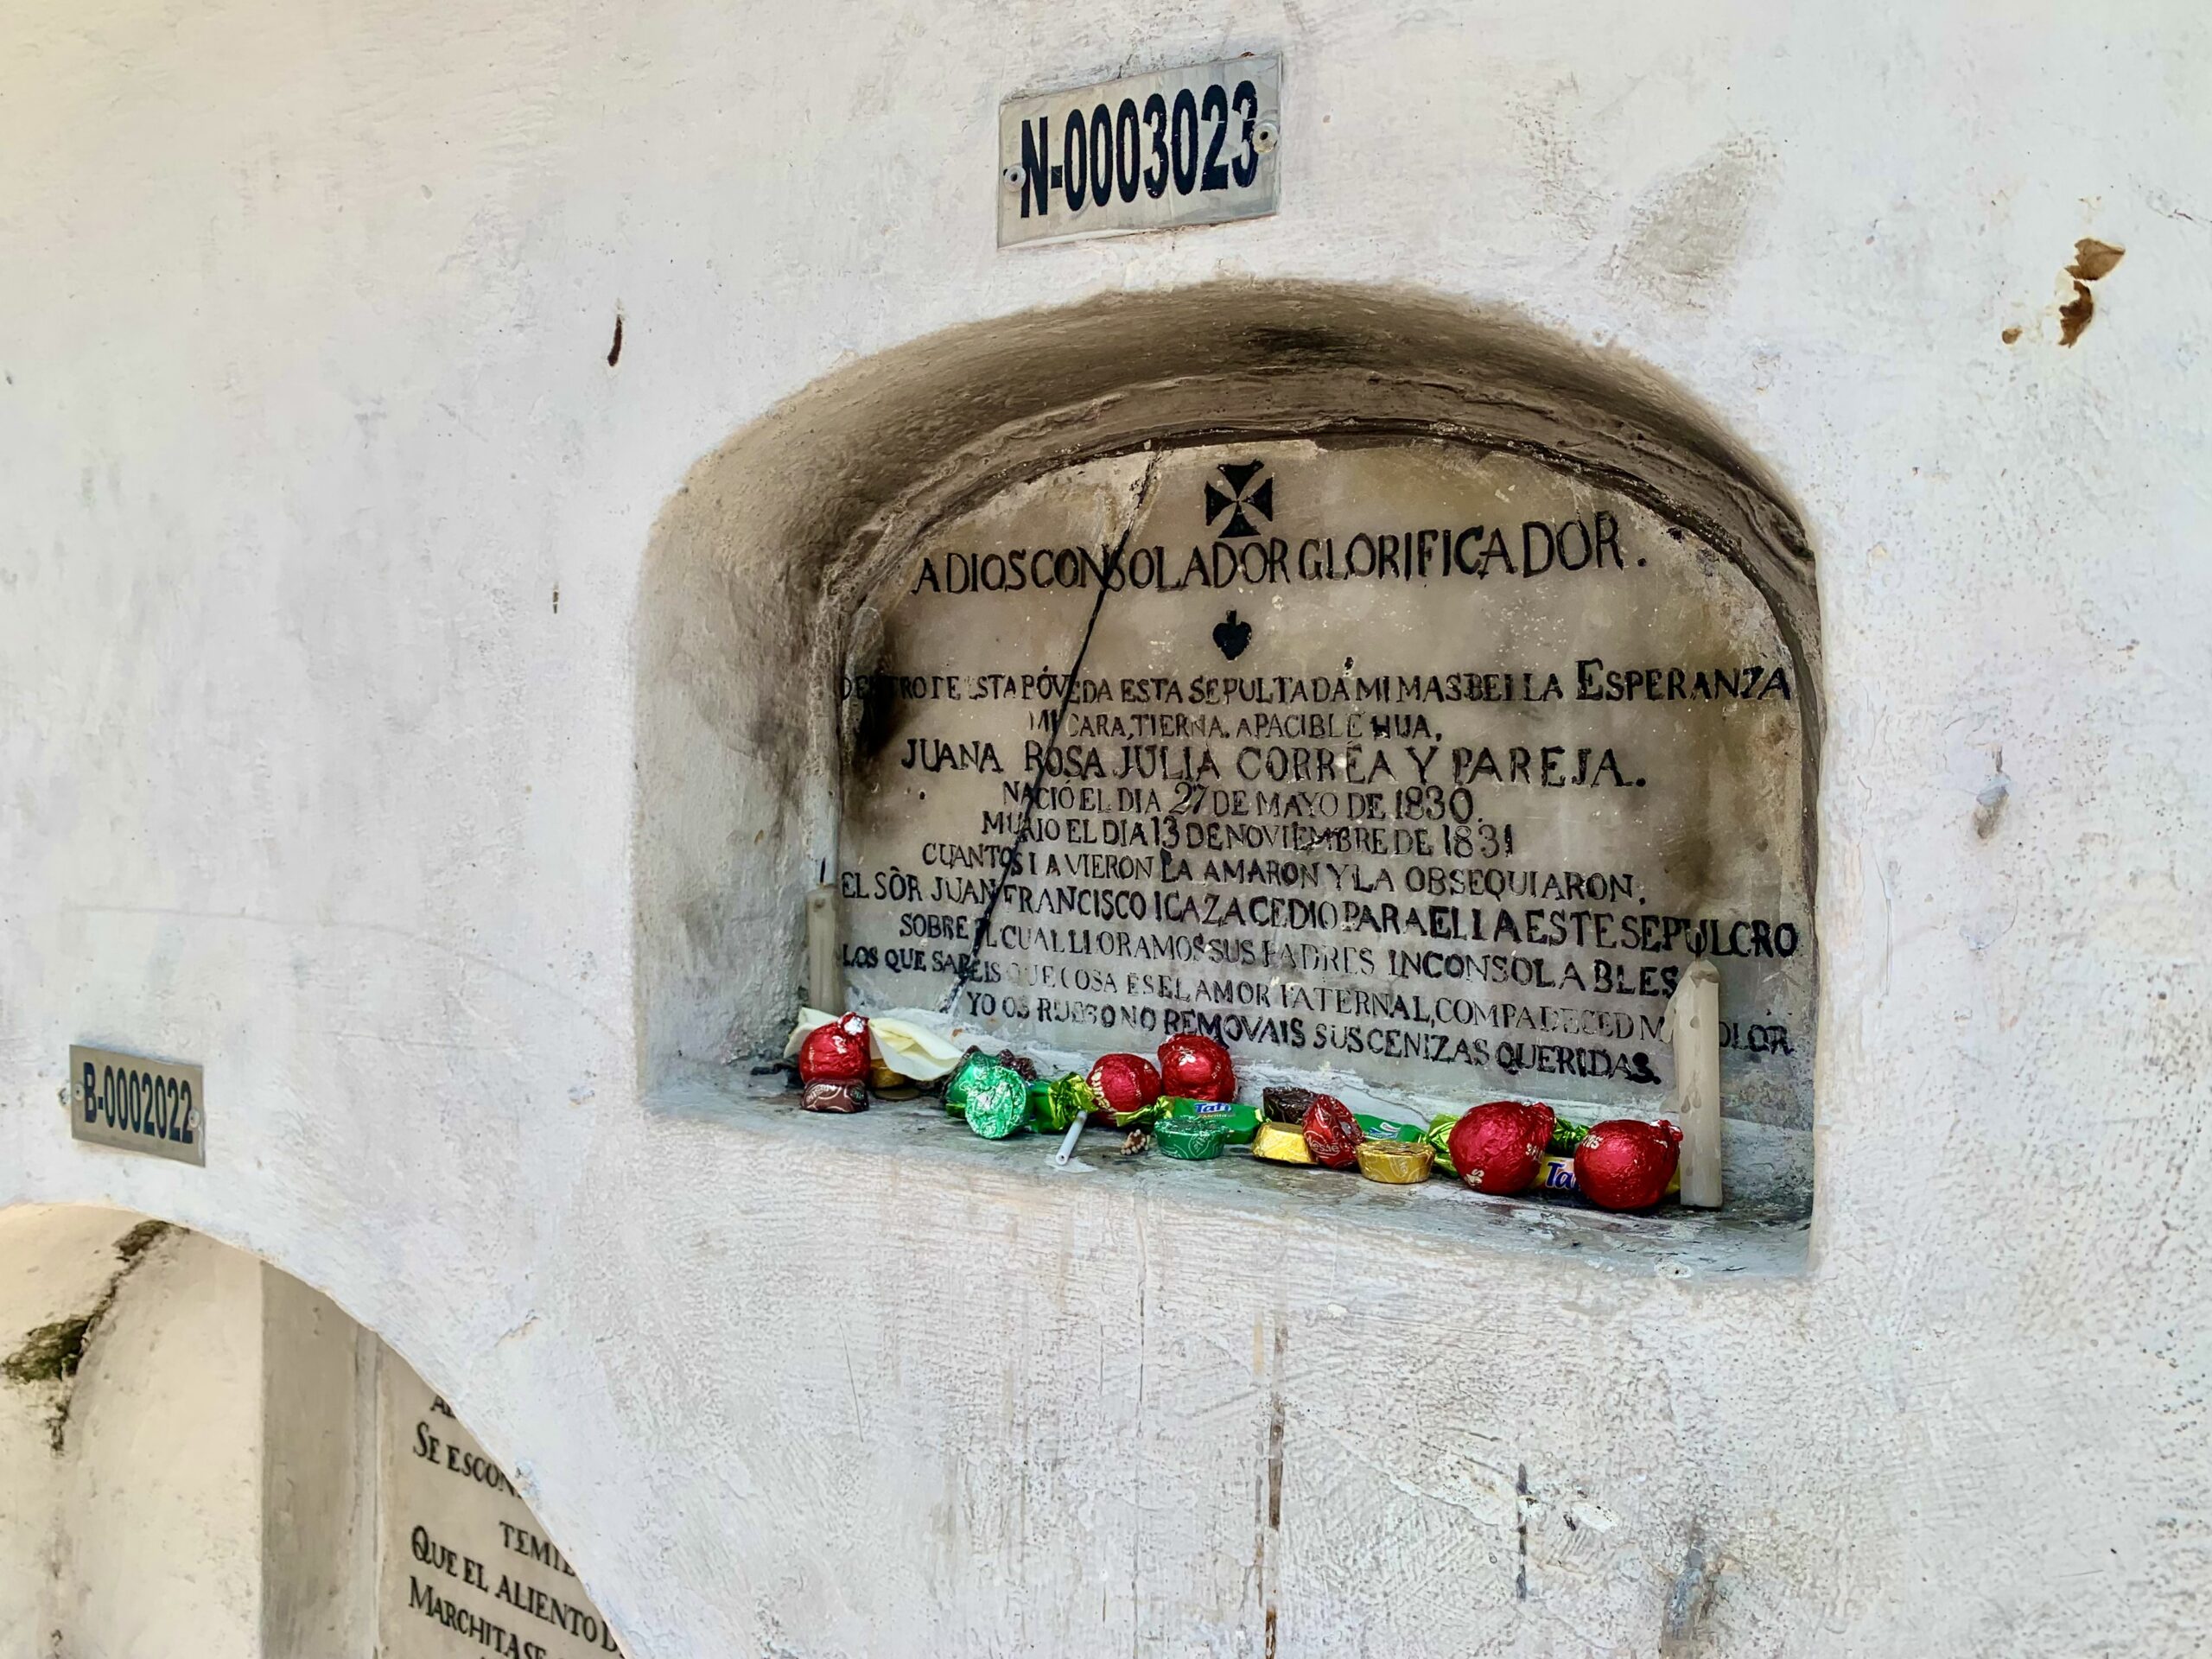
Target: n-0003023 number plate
(1192, 146)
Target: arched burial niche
(776, 628)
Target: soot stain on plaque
(879, 720)
(1308, 344)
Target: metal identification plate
(141, 1105)
(1192, 146)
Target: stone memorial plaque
(465, 1569)
(1417, 770)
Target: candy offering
(839, 1097)
(1396, 1163)
(836, 1052)
(1624, 1163)
(955, 1094)
(1197, 1068)
(1332, 1134)
(913, 1050)
(1556, 1172)
(1124, 1085)
(1054, 1105)
(1499, 1147)
(1186, 1106)
(994, 1098)
(1439, 1135)
(1240, 1121)
(1280, 1143)
(1193, 1139)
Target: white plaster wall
(306, 415)
(158, 1539)
(319, 1490)
(54, 1263)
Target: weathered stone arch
(759, 565)
(194, 1440)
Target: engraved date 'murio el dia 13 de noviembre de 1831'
(1431, 768)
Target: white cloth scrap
(900, 1039)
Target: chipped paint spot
(1989, 804)
(51, 1355)
(2073, 316)
(1689, 1601)
(2093, 259)
(1687, 231)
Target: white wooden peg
(1692, 1025)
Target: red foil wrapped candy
(836, 1052)
(1332, 1134)
(1498, 1147)
(1624, 1163)
(1125, 1085)
(1196, 1068)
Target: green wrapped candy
(1386, 1129)
(1439, 1134)
(1143, 1118)
(1194, 1138)
(1240, 1122)
(956, 1085)
(991, 1097)
(1567, 1136)
(1055, 1104)
(955, 1098)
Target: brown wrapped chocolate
(835, 1097)
(1022, 1064)
(1285, 1105)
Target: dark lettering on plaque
(1398, 765)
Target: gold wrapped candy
(1282, 1143)
(1399, 1163)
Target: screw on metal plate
(1266, 135)
(1011, 178)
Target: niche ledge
(1764, 1232)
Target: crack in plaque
(971, 960)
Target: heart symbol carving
(1232, 637)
